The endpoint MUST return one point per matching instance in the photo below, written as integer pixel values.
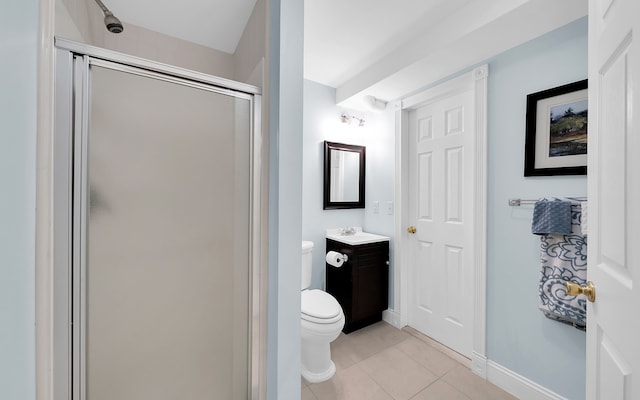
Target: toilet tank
(307, 250)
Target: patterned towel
(564, 258)
(585, 218)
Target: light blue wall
(519, 337)
(285, 197)
(18, 113)
(322, 122)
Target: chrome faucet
(348, 231)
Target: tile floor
(381, 362)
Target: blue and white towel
(563, 257)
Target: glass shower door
(163, 206)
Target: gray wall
(18, 115)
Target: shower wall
(82, 21)
(251, 51)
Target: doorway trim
(477, 79)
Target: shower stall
(157, 235)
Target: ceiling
(370, 48)
(217, 24)
(342, 38)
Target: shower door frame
(71, 110)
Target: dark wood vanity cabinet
(361, 285)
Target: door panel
(425, 176)
(613, 371)
(453, 184)
(613, 353)
(425, 290)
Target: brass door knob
(588, 290)
(411, 229)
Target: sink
(356, 238)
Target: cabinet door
(371, 281)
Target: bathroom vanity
(361, 284)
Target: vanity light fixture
(346, 119)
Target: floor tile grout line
(373, 378)
(446, 383)
(454, 355)
(383, 389)
(395, 346)
(429, 369)
(424, 388)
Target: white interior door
(441, 192)
(613, 351)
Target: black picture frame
(556, 144)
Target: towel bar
(520, 202)
(523, 202)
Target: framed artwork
(556, 131)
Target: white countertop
(359, 237)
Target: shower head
(112, 23)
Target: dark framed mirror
(344, 166)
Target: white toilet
(322, 320)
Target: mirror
(343, 176)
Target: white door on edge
(441, 190)
(613, 330)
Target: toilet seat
(319, 307)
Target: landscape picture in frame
(557, 131)
(568, 129)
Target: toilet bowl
(321, 321)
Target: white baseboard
(479, 365)
(518, 385)
(392, 318)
